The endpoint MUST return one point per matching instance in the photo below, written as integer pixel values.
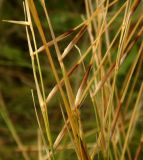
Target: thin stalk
(131, 122)
(10, 125)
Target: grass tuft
(97, 91)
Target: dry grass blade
(131, 121)
(24, 23)
(59, 55)
(55, 89)
(138, 151)
(68, 33)
(68, 109)
(131, 73)
(41, 96)
(40, 131)
(134, 84)
(81, 88)
(58, 39)
(74, 41)
(134, 6)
